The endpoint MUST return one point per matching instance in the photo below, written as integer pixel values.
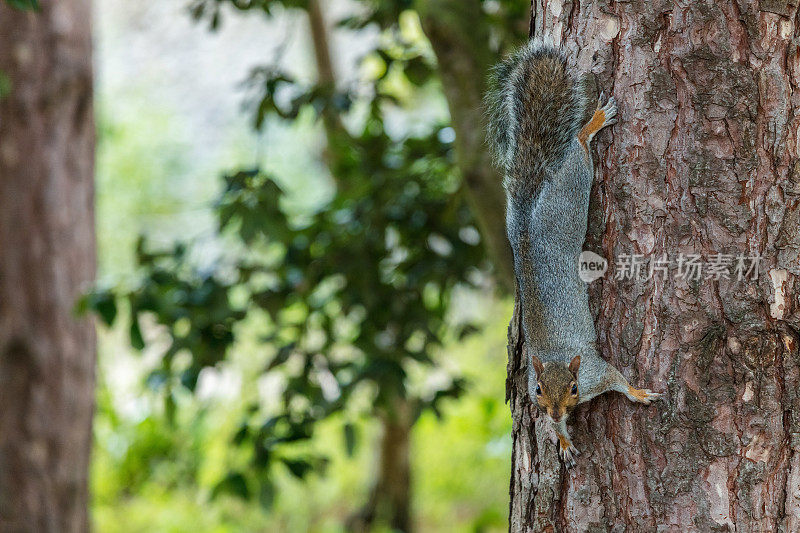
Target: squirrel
(539, 140)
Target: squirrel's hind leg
(604, 115)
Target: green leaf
(418, 71)
(242, 434)
(282, 356)
(170, 408)
(467, 330)
(350, 438)
(102, 303)
(266, 495)
(189, 377)
(234, 484)
(298, 468)
(137, 341)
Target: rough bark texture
(47, 258)
(460, 39)
(704, 159)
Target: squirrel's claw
(644, 396)
(609, 111)
(568, 455)
(651, 396)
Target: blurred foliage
(146, 182)
(353, 291)
(150, 476)
(349, 298)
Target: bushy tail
(535, 111)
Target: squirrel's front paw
(568, 454)
(644, 396)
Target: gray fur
(546, 234)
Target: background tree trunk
(460, 39)
(389, 502)
(703, 160)
(47, 259)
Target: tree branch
(326, 76)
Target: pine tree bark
(47, 259)
(704, 160)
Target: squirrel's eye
(538, 390)
(574, 389)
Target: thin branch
(326, 76)
(322, 53)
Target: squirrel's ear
(575, 364)
(537, 365)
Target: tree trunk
(459, 37)
(389, 501)
(702, 161)
(47, 259)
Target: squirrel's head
(556, 387)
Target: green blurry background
(170, 119)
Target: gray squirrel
(536, 112)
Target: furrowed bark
(47, 259)
(704, 160)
